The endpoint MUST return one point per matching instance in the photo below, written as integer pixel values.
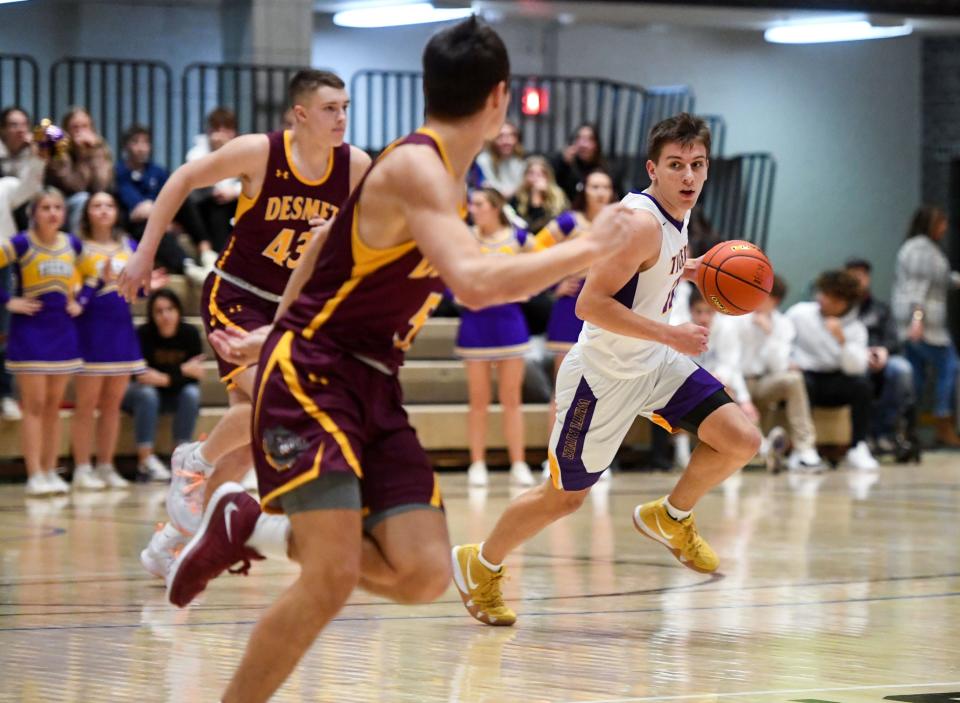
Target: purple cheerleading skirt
(108, 340)
(563, 328)
(44, 343)
(498, 332)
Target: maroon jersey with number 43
(271, 230)
(368, 302)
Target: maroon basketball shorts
(319, 409)
(225, 305)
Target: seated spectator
(723, 356)
(831, 350)
(16, 189)
(216, 204)
(174, 355)
(86, 168)
(501, 161)
(891, 374)
(722, 360)
(15, 140)
(581, 156)
(765, 338)
(15, 152)
(921, 284)
(139, 181)
(538, 199)
(701, 234)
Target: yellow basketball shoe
(480, 587)
(680, 537)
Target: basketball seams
(726, 298)
(733, 275)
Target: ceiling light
(398, 15)
(821, 32)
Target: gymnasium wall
(843, 121)
(177, 33)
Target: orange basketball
(735, 277)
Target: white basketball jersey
(648, 294)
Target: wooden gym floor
(833, 588)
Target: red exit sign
(535, 101)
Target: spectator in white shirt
(502, 161)
(765, 338)
(15, 140)
(922, 283)
(24, 182)
(722, 359)
(217, 203)
(831, 350)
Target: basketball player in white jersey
(629, 361)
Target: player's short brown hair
(221, 118)
(308, 80)
(839, 284)
(461, 66)
(683, 128)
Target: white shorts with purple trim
(595, 412)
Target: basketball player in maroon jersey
(293, 180)
(333, 447)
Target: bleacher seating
(434, 380)
(435, 389)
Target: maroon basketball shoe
(220, 543)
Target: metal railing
(384, 105)
(117, 94)
(610, 106)
(389, 104)
(718, 134)
(257, 94)
(738, 197)
(20, 83)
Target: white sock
(492, 567)
(675, 513)
(271, 536)
(169, 531)
(205, 465)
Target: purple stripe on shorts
(573, 435)
(625, 295)
(697, 387)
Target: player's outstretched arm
(430, 200)
(597, 303)
(240, 157)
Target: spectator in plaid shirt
(921, 283)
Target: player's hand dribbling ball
(735, 277)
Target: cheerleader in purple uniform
(108, 345)
(42, 351)
(564, 326)
(495, 336)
